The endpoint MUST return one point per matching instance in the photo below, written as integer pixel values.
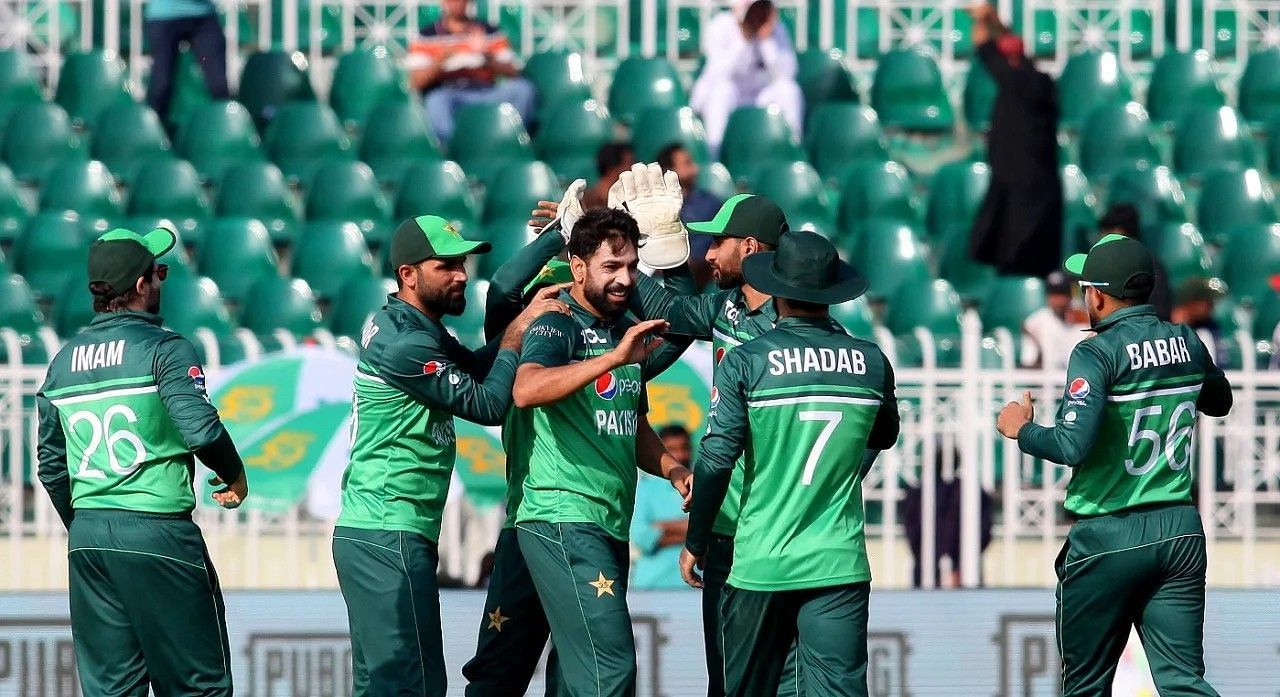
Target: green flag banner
(481, 463)
(281, 460)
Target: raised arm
(505, 298)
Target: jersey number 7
(832, 419)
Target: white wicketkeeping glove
(654, 199)
(570, 210)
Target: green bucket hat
(554, 273)
(746, 215)
(805, 267)
(430, 237)
(1118, 266)
(120, 257)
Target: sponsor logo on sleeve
(197, 377)
(434, 368)
(1078, 389)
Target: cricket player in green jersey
(581, 419)
(412, 378)
(513, 628)
(737, 313)
(122, 412)
(1135, 556)
(800, 573)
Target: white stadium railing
(948, 417)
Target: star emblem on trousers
(496, 619)
(602, 585)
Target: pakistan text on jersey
(813, 360)
(1158, 352)
(94, 356)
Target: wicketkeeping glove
(654, 199)
(570, 210)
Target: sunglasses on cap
(161, 272)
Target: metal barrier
(948, 416)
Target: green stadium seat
(257, 190)
(1265, 318)
(715, 179)
(889, 254)
(855, 316)
(272, 79)
(507, 235)
(73, 308)
(798, 190)
(89, 83)
(1259, 87)
(328, 254)
(189, 91)
(1181, 82)
(18, 308)
(658, 127)
(83, 186)
(216, 136)
(969, 277)
(1154, 191)
(570, 135)
(400, 139)
(170, 189)
(437, 188)
(517, 188)
(1079, 212)
(557, 77)
(979, 96)
(838, 135)
(955, 195)
(1115, 136)
(362, 81)
(755, 138)
(487, 137)
(1232, 198)
(1208, 138)
(1180, 248)
(53, 248)
(19, 83)
(348, 191)
(359, 298)
(36, 138)
(876, 189)
(276, 303)
(13, 212)
(644, 83)
(1010, 300)
(1250, 259)
(302, 136)
(1088, 81)
(824, 77)
(127, 136)
(236, 254)
(933, 305)
(202, 306)
(907, 93)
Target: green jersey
(122, 411)
(579, 453)
(805, 403)
(411, 380)
(724, 319)
(1127, 415)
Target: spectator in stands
(699, 205)
(1018, 230)
(750, 61)
(1197, 299)
(612, 159)
(169, 24)
(1052, 332)
(658, 526)
(460, 60)
(1123, 219)
(947, 509)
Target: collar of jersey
(766, 308)
(582, 314)
(808, 322)
(104, 317)
(1124, 313)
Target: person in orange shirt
(461, 60)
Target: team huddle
(799, 412)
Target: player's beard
(449, 300)
(609, 305)
(728, 279)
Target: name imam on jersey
(1158, 352)
(615, 422)
(94, 356)
(814, 360)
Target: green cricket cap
(1117, 265)
(120, 257)
(430, 237)
(554, 273)
(746, 215)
